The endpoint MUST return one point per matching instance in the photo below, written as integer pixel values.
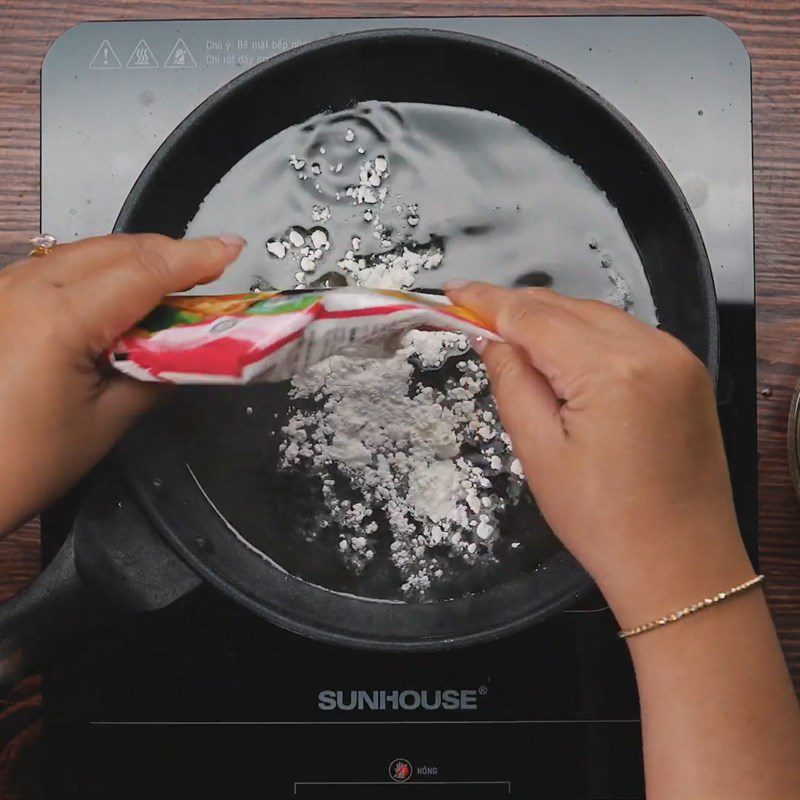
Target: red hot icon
(400, 770)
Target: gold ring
(43, 244)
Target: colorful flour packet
(270, 336)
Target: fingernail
(232, 239)
(455, 284)
(477, 343)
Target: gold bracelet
(685, 612)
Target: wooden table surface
(771, 31)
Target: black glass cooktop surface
(205, 699)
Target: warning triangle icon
(105, 57)
(142, 56)
(180, 56)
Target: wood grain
(771, 32)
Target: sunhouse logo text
(400, 700)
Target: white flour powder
(401, 448)
(397, 457)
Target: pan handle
(113, 563)
(43, 616)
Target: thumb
(558, 341)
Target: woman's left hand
(60, 413)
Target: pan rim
(578, 582)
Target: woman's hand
(59, 413)
(615, 424)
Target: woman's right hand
(615, 424)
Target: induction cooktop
(204, 699)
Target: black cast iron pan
(200, 469)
